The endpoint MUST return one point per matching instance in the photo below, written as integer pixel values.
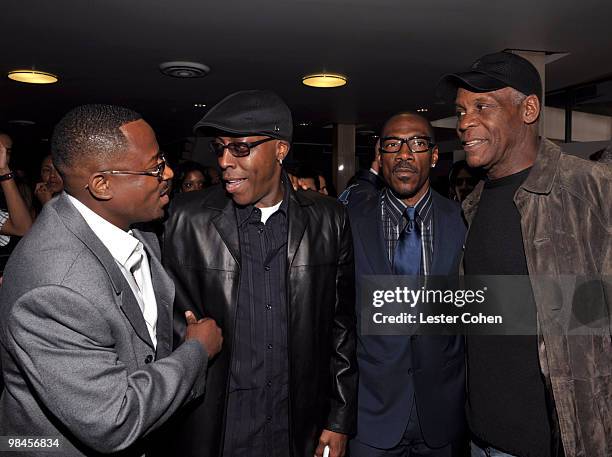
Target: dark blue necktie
(407, 258)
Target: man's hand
(206, 332)
(336, 442)
(42, 193)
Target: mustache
(404, 165)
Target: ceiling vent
(184, 69)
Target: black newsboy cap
(248, 113)
(493, 72)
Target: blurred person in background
(324, 187)
(213, 175)
(15, 216)
(462, 180)
(191, 177)
(51, 182)
(603, 155)
(307, 178)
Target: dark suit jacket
(395, 369)
(202, 254)
(77, 358)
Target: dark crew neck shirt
(506, 393)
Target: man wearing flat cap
(275, 269)
(544, 214)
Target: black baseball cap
(493, 72)
(248, 113)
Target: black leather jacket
(202, 255)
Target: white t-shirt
(267, 212)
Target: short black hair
(89, 131)
(305, 171)
(186, 167)
(430, 129)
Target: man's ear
(282, 149)
(99, 187)
(531, 109)
(434, 156)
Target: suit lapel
(131, 309)
(441, 246)
(164, 296)
(298, 221)
(126, 299)
(370, 230)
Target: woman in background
(50, 184)
(191, 176)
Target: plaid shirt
(393, 222)
(4, 239)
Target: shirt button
(269, 418)
(269, 383)
(269, 346)
(260, 231)
(268, 306)
(267, 268)
(149, 359)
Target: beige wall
(585, 126)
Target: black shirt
(257, 422)
(506, 393)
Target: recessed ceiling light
(325, 80)
(32, 76)
(199, 105)
(184, 69)
(305, 124)
(422, 110)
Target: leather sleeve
(343, 402)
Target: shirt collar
(244, 213)
(120, 244)
(396, 207)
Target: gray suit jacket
(77, 360)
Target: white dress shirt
(130, 256)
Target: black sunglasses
(237, 148)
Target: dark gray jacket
(566, 220)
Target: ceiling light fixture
(32, 77)
(199, 105)
(422, 110)
(325, 80)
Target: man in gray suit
(86, 306)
